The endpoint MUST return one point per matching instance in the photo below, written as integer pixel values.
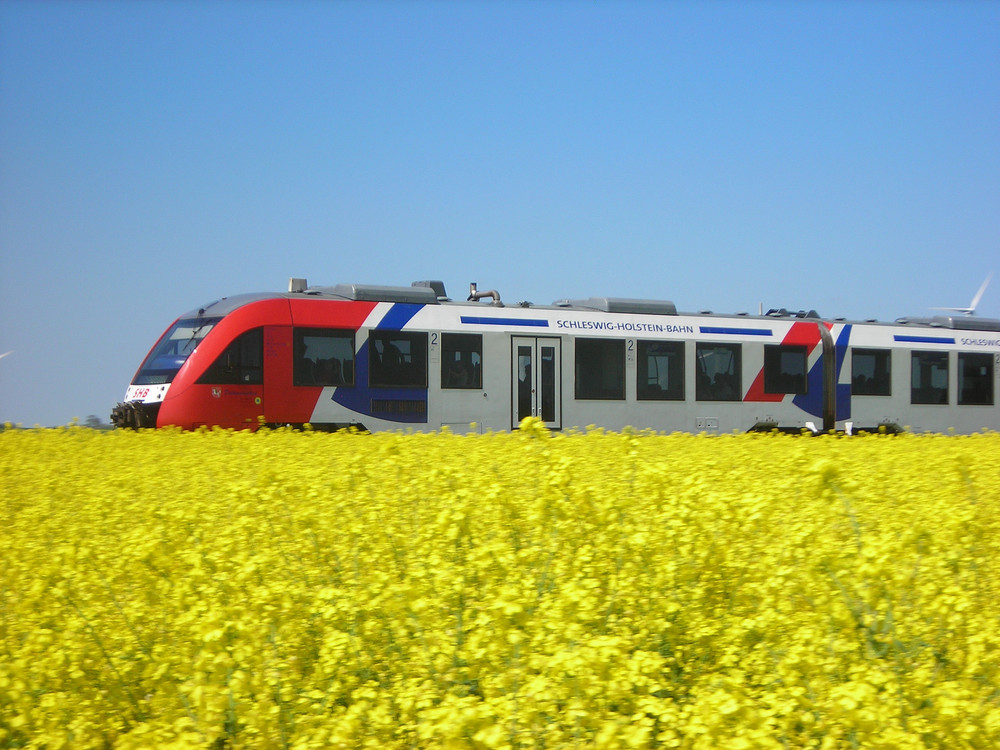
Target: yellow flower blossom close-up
(298, 589)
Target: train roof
(433, 293)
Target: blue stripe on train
(811, 402)
(404, 405)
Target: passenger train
(394, 357)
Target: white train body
(408, 358)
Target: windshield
(173, 350)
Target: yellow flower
(309, 590)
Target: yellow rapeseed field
(306, 590)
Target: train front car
(206, 354)
(252, 360)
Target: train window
(397, 358)
(975, 378)
(785, 369)
(241, 363)
(173, 350)
(461, 360)
(600, 369)
(870, 372)
(718, 372)
(929, 377)
(323, 356)
(660, 371)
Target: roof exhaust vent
(297, 285)
(475, 295)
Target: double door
(535, 385)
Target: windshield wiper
(194, 333)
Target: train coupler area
(134, 415)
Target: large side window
(461, 360)
(975, 378)
(398, 358)
(240, 363)
(718, 372)
(871, 372)
(600, 369)
(929, 378)
(660, 370)
(785, 369)
(323, 356)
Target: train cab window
(172, 350)
(397, 359)
(975, 379)
(461, 360)
(785, 369)
(929, 378)
(660, 371)
(870, 372)
(718, 372)
(323, 356)
(600, 369)
(242, 363)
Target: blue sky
(155, 156)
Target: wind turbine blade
(6, 353)
(979, 294)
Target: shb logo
(216, 392)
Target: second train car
(390, 358)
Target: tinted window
(398, 358)
(173, 350)
(871, 372)
(718, 372)
(600, 369)
(524, 381)
(240, 363)
(324, 357)
(660, 370)
(461, 360)
(929, 378)
(975, 379)
(547, 382)
(784, 369)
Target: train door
(535, 380)
(279, 395)
(230, 391)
